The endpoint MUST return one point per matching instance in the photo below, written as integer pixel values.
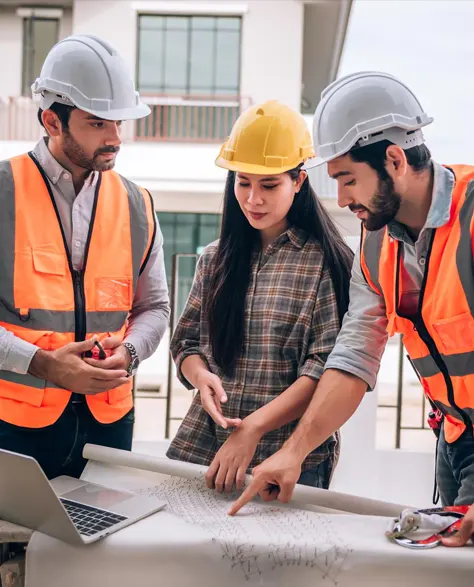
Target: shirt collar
(53, 169)
(440, 209)
(297, 236)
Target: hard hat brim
(134, 113)
(315, 162)
(47, 99)
(255, 169)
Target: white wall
(11, 36)
(399, 476)
(11, 46)
(114, 21)
(272, 51)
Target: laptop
(69, 509)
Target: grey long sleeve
(363, 336)
(151, 309)
(15, 353)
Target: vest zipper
(420, 326)
(79, 305)
(76, 275)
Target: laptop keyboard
(89, 520)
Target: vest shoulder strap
(143, 213)
(371, 245)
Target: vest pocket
(49, 262)
(41, 280)
(22, 388)
(113, 293)
(455, 335)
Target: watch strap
(134, 360)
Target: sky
(429, 45)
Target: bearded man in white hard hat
(413, 275)
(83, 294)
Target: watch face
(134, 364)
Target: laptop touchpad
(97, 496)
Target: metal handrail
(173, 306)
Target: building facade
(198, 64)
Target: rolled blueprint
(302, 494)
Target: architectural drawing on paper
(269, 539)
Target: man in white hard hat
(413, 275)
(83, 293)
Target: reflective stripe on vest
(45, 302)
(440, 340)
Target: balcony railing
(206, 119)
(172, 119)
(19, 120)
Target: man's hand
(118, 355)
(275, 478)
(466, 531)
(232, 459)
(212, 395)
(66, 368)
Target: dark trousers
(455, 469)
(58, 448)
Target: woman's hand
(232, 459)
(212, 395)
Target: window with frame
(189, 55)
(188, 234)
(39, 36)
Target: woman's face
(266, 199)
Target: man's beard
(76, 154)
(385, 204)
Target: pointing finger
(252, 490)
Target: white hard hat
(86, 72)
(364, 108)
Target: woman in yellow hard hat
(265, 307)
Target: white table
(268, 548)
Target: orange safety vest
(440, 338)
(44, 301)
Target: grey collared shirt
(150, 311)
(361, 341)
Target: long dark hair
(231, 265)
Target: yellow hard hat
(267, 139)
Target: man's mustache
(353, 208)
(108, 150)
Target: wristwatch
(134, 360)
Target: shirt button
(78, 243)
(66, 176)
(422, 261)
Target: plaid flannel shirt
(291, 325)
